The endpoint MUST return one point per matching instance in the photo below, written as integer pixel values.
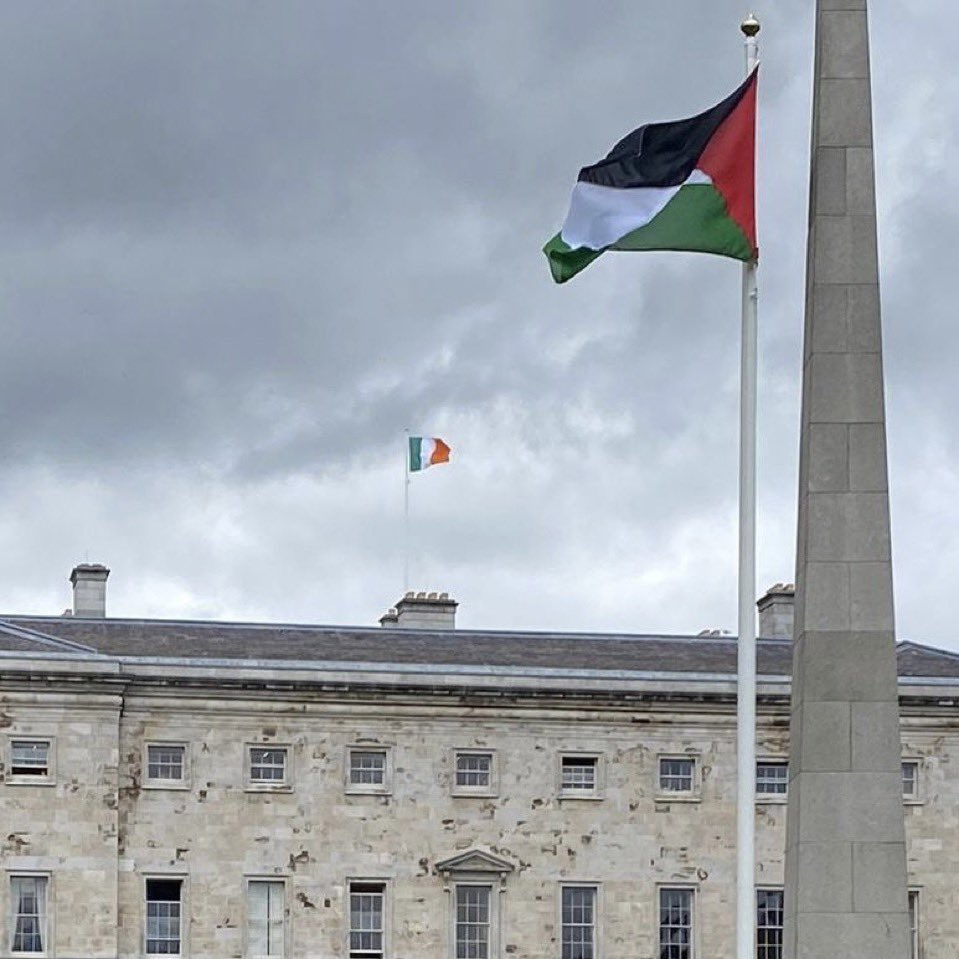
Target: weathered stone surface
(845, 857)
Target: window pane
(266, 910)
(165, 762)
(769, 923)
(579, 774)
(913, 924)
(676, 775)
(772, 778)
(29, 901)
(267, 765)
(474, 769)
(675, 923)
(472, 922)
(366, 920)
(367, 767)
(910, 779)
(29, 758)
(579, 922)
(163, 917)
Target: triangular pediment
(475, 860)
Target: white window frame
(494, 913)
(772, 798)
(694, 919)
(694, 793)
(269, 785)
(915, 922)
(184, 914)
(9, 925)
(50, 778)
(387, 913)
(368, 789)
(599, 782)
(483, 791)
(781, 892)
(287, 914)
(597, 889)
(151, 783)
(917, 798)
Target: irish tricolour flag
(427, 451)
(682, 185)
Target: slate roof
(169, 639)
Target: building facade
(412, 791)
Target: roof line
(22, 632)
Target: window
(772, 778)
(28, 900)
(474, 770)
(366, 920)
(473, 922)
(910, 780)
(166, 764)
(30, 760)
(675, 923)
(579, 922)
(268, 765)
(368, 770)
(164, 910)
(579, 776)
(677, 774)
(914, 952)
(769, 923)
(266, 917)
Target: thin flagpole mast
(406, 511)
(746, 677)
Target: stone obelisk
(845, 843)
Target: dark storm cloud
(246, 244)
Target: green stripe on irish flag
(426, 451)
(683, 185)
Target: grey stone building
(412, 791)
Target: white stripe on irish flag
(427, 451)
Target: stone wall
(101, 833)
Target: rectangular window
(769, 923)
(473, 922)
(578, 774)
(368, 767)
(164, 911)
(675, 923)
(914, 952)
(28, 896)
(910, 779)
(266, 918)
(165, 764)
(579, 922)
(772, 777)
(268, 765)
(366, 920)
(30, 758)
(676, 775)
(474, 770)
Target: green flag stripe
(695, 220)
(416, 446)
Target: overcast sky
(244, 245)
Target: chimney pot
(89, 582)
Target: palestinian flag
(426, 451)
(683, 185)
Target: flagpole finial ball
(750, 26)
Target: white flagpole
(406, 511)
(746, 679)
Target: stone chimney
(422, 611)
(90, 590)
(776, 610)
